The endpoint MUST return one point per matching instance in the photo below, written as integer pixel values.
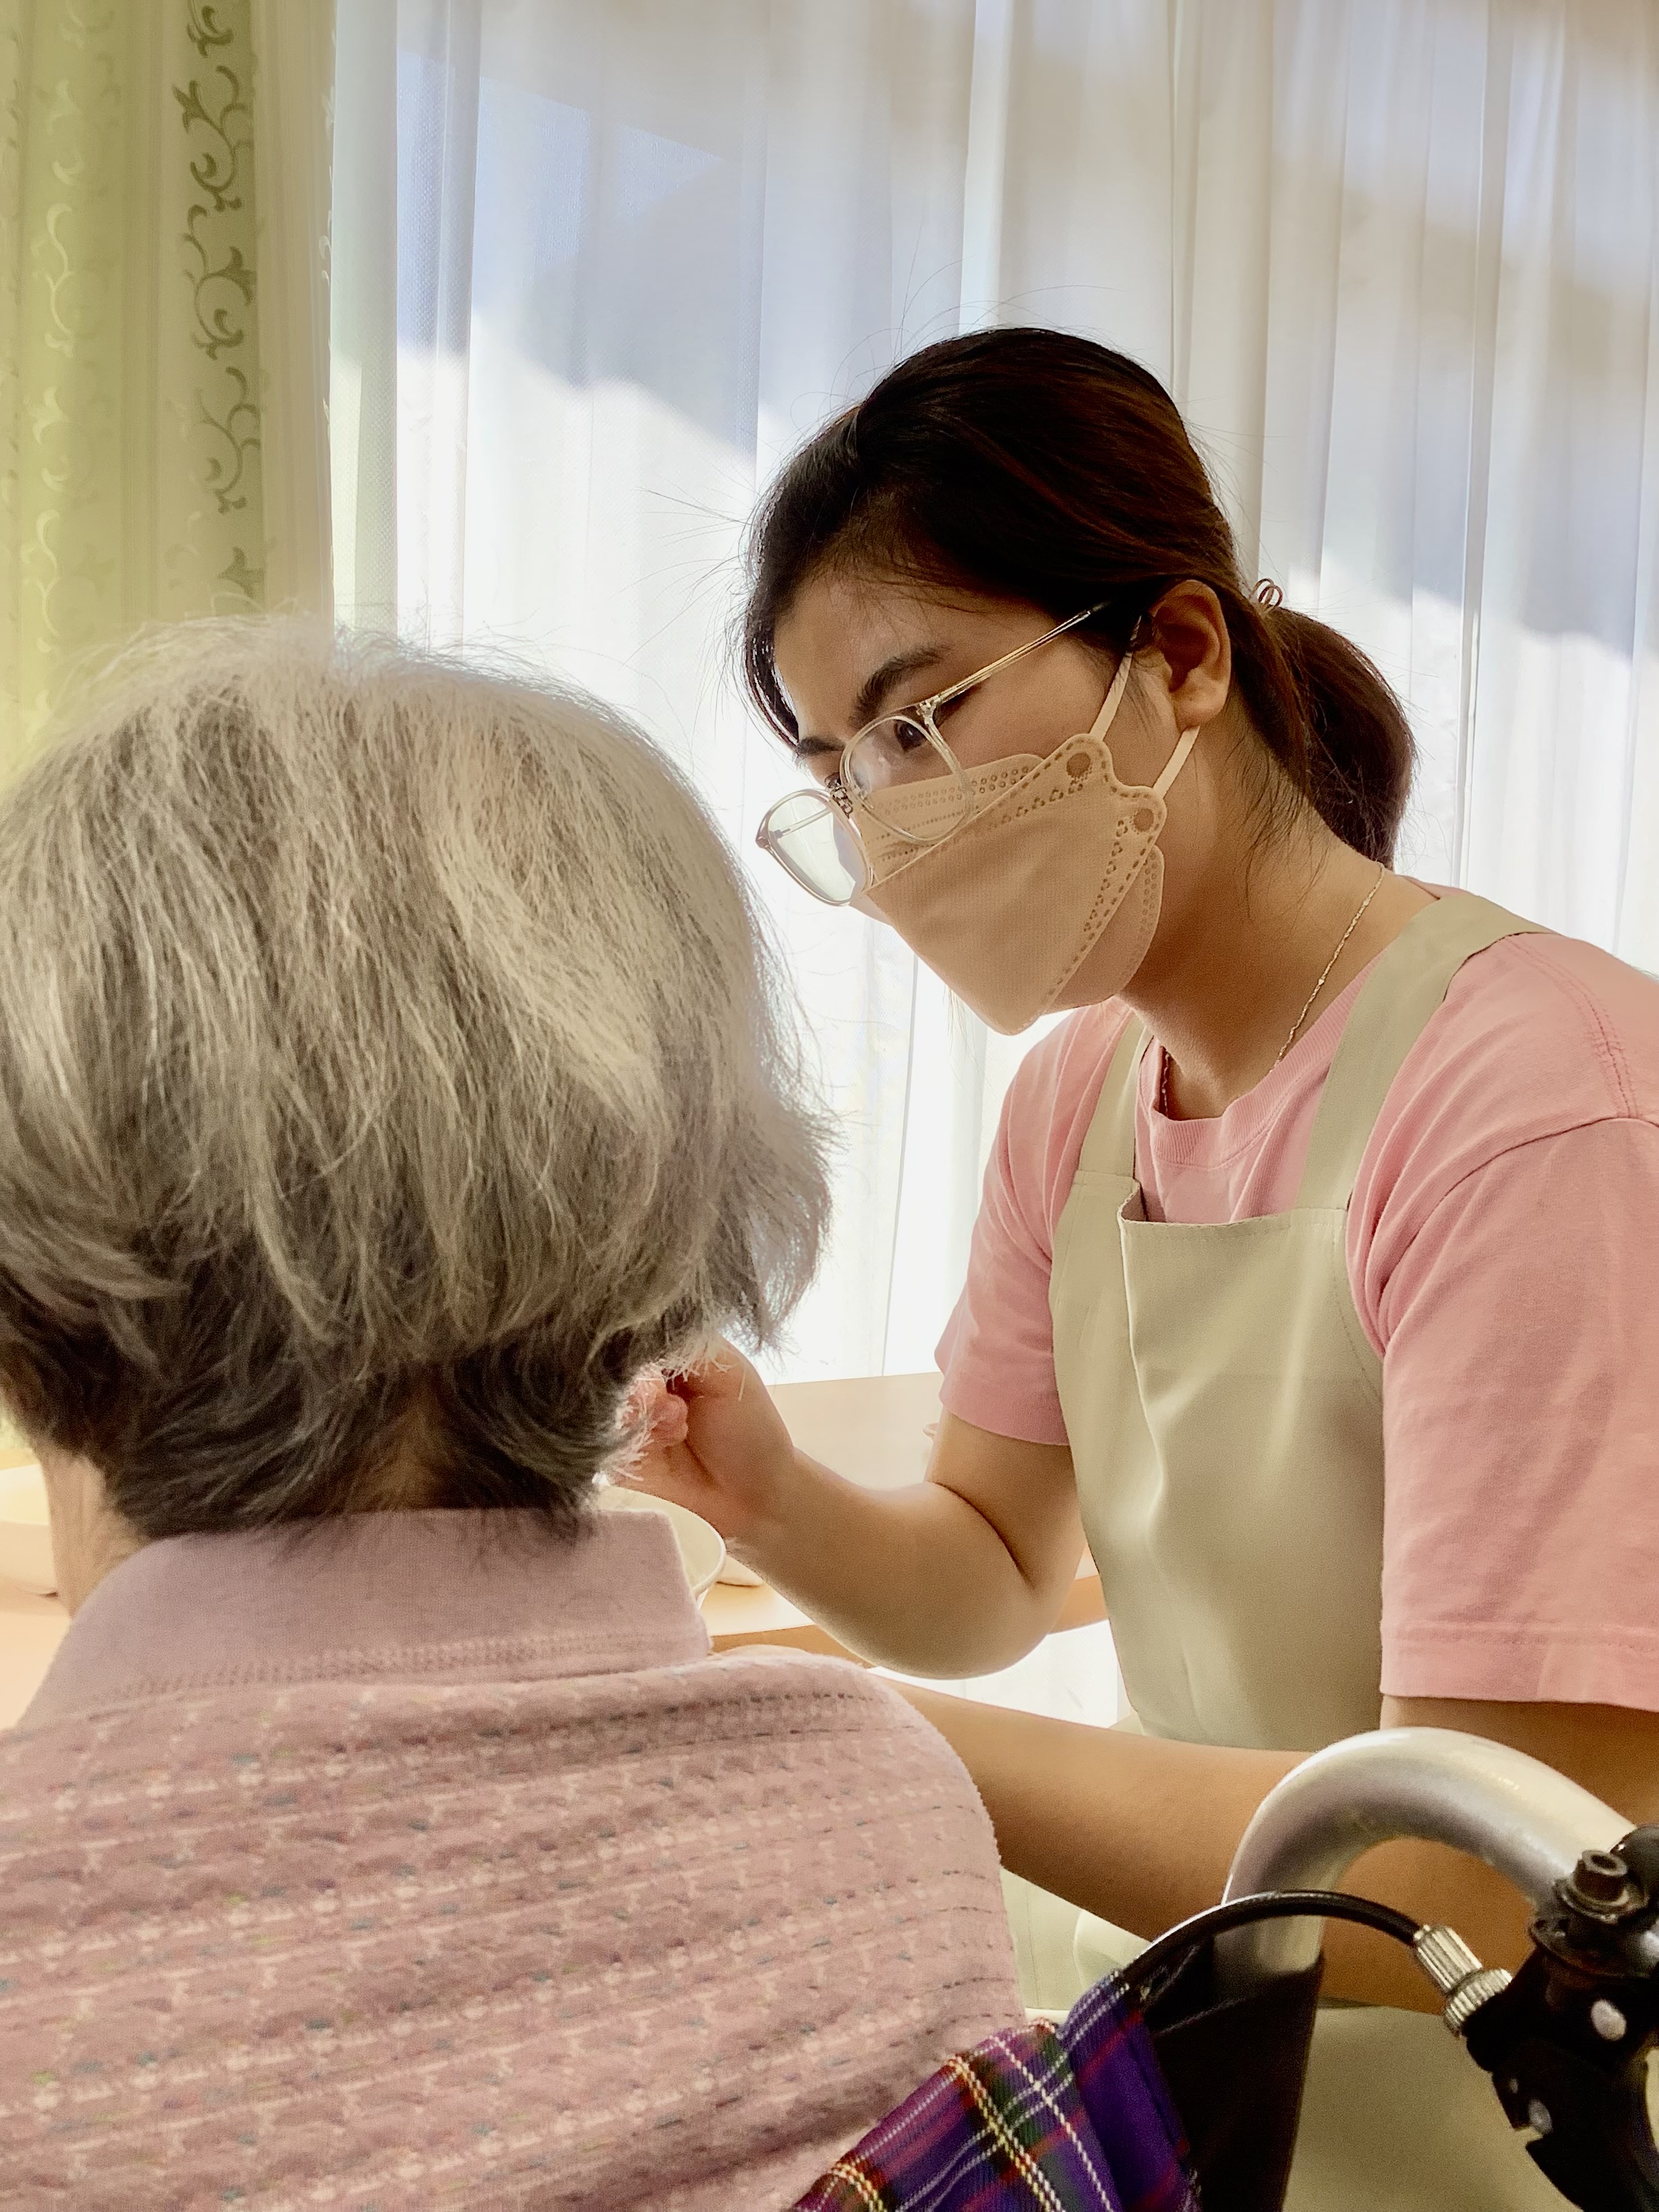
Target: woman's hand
(714, 1443)
(921, 1578)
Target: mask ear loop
(1177, 760)
(1108, 706)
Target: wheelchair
(1177, 2082)
(1569, 2041)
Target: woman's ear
(1188, 632)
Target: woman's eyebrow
(874, 690)
(894, 670)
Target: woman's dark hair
(1032, 466)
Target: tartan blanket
(1039, 2119)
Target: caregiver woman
(1314, 1279)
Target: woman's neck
(1228, 975)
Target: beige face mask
(1056, 855)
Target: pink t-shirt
(1503, 1250)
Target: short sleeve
(1521, 1416)
(998, 1350)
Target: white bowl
(25, 1531)
(702, 1553)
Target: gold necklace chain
(1307, 1008)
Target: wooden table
(873, 1429)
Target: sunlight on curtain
(1397, 263)
(598, 267)
(163, 204)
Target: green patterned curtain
(163, 326)
(161, 376)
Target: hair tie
(1268, 595)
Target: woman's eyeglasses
(814, 834)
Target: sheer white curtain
(598, 263)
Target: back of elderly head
(390, 1072)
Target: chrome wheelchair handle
(1519, 1815)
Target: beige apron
(1225, 1409)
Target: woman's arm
(1143, 1831)
(958, 1575)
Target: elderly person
(390, 1076)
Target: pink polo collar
(449, 1596)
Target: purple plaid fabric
(1040, 2119)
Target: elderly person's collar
(440, 1596)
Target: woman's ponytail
(1329, 717)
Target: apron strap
(1110, 1147)
(1402, 992)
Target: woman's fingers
(725, 1375)
(710, 1437)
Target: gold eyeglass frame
(836, 792)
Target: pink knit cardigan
(410, 1868)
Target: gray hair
(389, 1052)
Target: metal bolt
(1537, 2116)
(1609, 2021)
(1600, 1876)
(1600, 1887)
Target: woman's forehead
(841, 633)
(836, 616)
